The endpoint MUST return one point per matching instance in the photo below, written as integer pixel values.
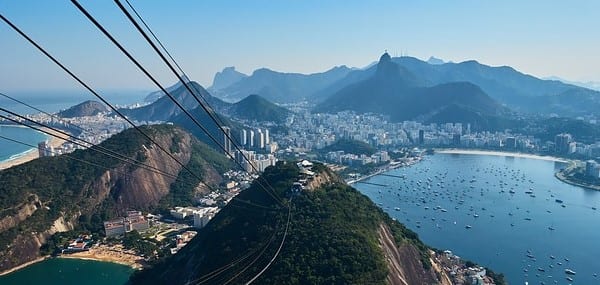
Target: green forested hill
(53, 194)
(255, 107)
(333, 238)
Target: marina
(509, 213)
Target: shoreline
(473, 152)
(499, 153)
(559, 175)
(26, 264)
(103, 253)
(134, 266)
(390, 166)
(97, 253)
(31, 153)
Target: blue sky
(541, 38)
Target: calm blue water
(9, 149)
(54, 101)
(69, 271)
(505, 228)
(50, 102)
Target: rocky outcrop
(141, 188)
(24, 228)
(323, 178)
(404, 263)
(23, 211)
(26, 246)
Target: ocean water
(9, 149)
(50, 102)
(54, 101)
(63, 271)
(528, 237)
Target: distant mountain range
(395, 91)
(87, 108)
(253, 107)
(275, 86)
(520, 92)
(226, 78)
(435, 60)
(589, 84)
(153, 96)
(163, 109)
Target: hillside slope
(163, 109)
(87, 108)
(394, 91)
(225, 78)
(256, 108)
(280, 87)
(518, 91)
(336, 236)
(57, 194)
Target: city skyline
(538, 38)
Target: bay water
(64, 271)
(9, 149)
(50, 102)
(507, 213)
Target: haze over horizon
(303, 37)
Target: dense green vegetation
(57, 241)
(349, 146)
(497, 277)
(134, 241)
(255, 107)
(238, 228)
(332, 238)
(362, 169)
(87, 108)
(547, 129)
(579, 176)
(63, 184)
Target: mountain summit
(333, 235)
(395, 91)
(163, 109)
(391, 73)
(87, 108)
(256, 108)
(226, 77)
(279, 87)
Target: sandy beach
(32, 154)
(114, 254)
(500, 153)
(104, 253)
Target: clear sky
(542, 38)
